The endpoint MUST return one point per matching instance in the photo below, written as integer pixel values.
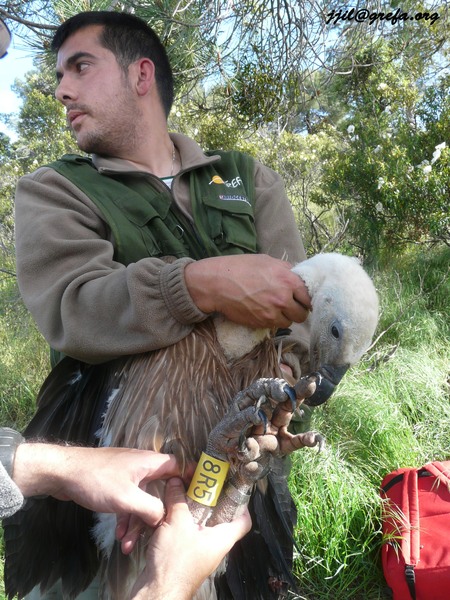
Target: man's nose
(64, 91)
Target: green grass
(24, 359)
(391, 411)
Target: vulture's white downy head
(343, 318)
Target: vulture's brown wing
(166, 400)
(171, 399)
(171, 402)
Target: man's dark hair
(128, 38)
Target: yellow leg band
(208, 480)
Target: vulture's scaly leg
(253, 430)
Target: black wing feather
(70, 406)
(260, 565)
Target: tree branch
(26, 22)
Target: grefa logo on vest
(234, 183)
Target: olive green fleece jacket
(93, 308)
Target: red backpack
(416, 531)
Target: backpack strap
(441, 471)
(410, 544)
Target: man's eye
(82, 66)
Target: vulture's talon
(289, 391)
(261, 400)
(311, 439)
(264, 419)
(320, 443)
(318, 376)
(242, 440)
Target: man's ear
(143, 74)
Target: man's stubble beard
(119, 134)
(108, 144)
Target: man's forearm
(38, 469)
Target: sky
(13, 66)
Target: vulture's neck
(237, 340)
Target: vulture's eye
(335, 332)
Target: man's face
(100, 103)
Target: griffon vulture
(170, 400)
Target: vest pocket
(164, 238)
(160, 232)
(231, 223)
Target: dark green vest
(145, 222)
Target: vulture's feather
(170, 400)
(70, 406)
(259, 566)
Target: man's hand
(181, 554)
(251, 289)
(100, 479)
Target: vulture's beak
(328, 378)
